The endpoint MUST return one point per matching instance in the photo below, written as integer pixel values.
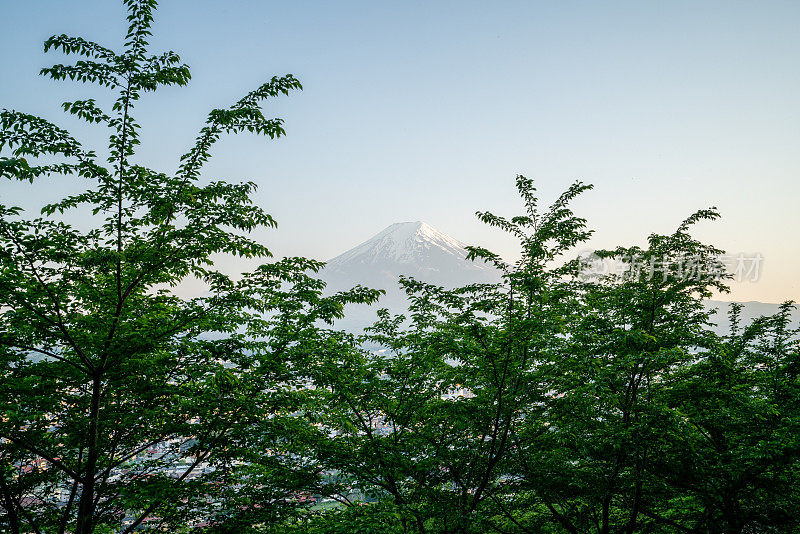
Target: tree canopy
(552, 401)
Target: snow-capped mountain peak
(413, 249)
(402, 243)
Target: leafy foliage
(125, 405)
(553, 402)
(548, 402)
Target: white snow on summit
(405, 243)
(413, 249)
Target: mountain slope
(413, 249)
(403, 243)
(410, 249)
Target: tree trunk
(86, 505)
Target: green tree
(125, 405)
(607, 416)
(552, 402)
(734, 462)
(430, 423)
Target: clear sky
(420, 110)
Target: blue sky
(427, 111)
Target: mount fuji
(413, 249)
